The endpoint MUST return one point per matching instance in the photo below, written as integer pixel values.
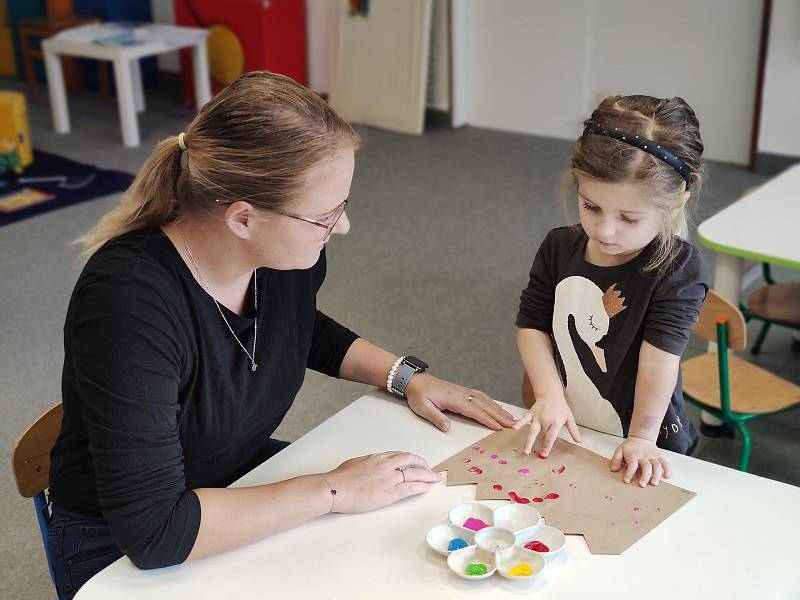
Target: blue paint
(456, 544)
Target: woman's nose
(343, 226)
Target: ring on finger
(471, 397)
(402, 472)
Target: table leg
(125, 101)
(728, 283)
(202, 84)
(55, 88)
(138, 88)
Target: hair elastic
(182, 141)
(645, 144)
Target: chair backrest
(716, 307)
(31, 454)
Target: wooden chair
(776, 303)
(31, 462)
(727, 386)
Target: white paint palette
(510, 540)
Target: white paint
(779, 132)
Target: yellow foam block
(14, 127)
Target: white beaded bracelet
(392, 372)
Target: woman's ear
(239, 219)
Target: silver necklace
(252, 357)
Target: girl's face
(619, 218)
(290, 242)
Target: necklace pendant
(253, 367)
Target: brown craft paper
(592, 501)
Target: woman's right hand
(377, 480)
(546, 417)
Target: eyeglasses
(327, 224)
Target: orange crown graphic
(613, 301)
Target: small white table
(736, 539)
(153, 40)
(762, 226)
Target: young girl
(611, 302)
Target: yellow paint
(520, 570)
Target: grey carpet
(444, 228)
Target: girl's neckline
(635, 261)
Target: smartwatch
(406, 369)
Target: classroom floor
(444, 228)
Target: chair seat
(777, 302)
(753, 390)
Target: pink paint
(502, 462)
(523, 471)
(494, 456)
(518, 499)
(573, 486)
(537, 499)
(482, 452)
(474, 524)
(635, 509)
(476, 447)
(467, 460)
(476, 470)
(497, 487)
(552, 497)
(537, 546)
(658, 509)
(609, 498)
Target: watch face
(416, 363)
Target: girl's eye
(630, 221)
(591, 207)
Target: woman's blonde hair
(256, 141)
(669, 122)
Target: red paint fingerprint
(502, 462)
(523, 471)
(467, 460)
(482, 452)
(518, 499)
(537, 546)
(537, 499)
(476, 470)
(493, 456)
(552, 497)
(497, 487)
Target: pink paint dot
(523, 471)
(573, 486)
(552, 497)
(658, 509)
(518, 499)
(537, 499)
(482, 452)
(635, 509)
(502, 462)
(494, 456)
(476, 470)
(467, 460)
(497, 487)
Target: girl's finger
(647, 472)
(532, 435)
(633, 466)
(658, 471)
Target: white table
(736, 539)
(762, 226)
(155, 39)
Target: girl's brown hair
(255, 141)
(669, 122)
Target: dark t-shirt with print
(598, 318)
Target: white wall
(780, 108)
(322, 21)
(539, 67)
(164, 12)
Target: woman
(188, 335)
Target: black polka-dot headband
(645, 144)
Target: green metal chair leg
(744, 457)
(760, 339)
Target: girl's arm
(550, 412)
(428, 396)
(655, 382)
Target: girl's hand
(639, 454)
(547, 416)
(377, 480)
(428, 396)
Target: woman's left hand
(639, 454)
(429, 396)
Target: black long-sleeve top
(159, 399)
